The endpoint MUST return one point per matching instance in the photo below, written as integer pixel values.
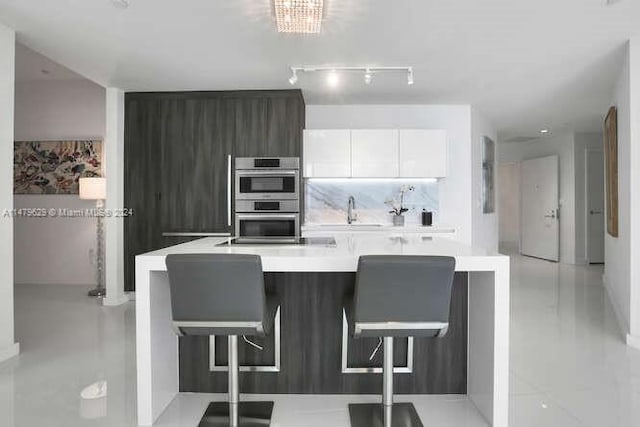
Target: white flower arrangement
(397, 203)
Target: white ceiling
(32, 66)
(526, 64)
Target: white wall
(561, 145)
(114, 173)
(617, 249)
(633, 338)
(621, 273)
(56, 250)
(509, 204)
(583, 143)
(8, 347)
(455, 190)
(485, 226)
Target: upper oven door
(280, 184)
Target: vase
(398, 220)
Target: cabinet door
(327, 153)
(250, 133)
(268, 125)
(285, 121)
(142, 191)
(374, 153)
(195, 150)
(423, 153)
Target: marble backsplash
(326, 201)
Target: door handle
(595, 212)
(229, 190)
(553, 214)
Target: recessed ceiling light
(121, 4)
(298, 16)
(544, 131)
(333, 79)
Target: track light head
(294, 77)
(410, 76)
(332, 78)
(367, 76)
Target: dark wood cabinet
(194, 170)
(177, 146)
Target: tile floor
(568, 361)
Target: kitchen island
(472, 359)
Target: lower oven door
(267, 225)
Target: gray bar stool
(397, 296)
(223, 294)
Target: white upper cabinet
(423, 153)
(327, 153)
(374, 153)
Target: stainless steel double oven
(267, 197)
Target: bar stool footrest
(250, 414)
(372, 415)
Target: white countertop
(343, 257)
(387, 228)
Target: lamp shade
(93, 188)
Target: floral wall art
(54, 167)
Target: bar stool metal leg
(234, 393)
(388, 414)
(235, 413)
(387, 381)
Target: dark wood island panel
(311, 343)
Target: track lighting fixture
(333, 78)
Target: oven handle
(275, 172)
(267, 216)
(229, 190)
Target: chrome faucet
(351, 205)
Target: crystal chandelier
(298, 16)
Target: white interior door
(595, 206)
(539, 222)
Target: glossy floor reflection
(69, 346)
(569, 365)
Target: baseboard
(633, 341)
(9, 352)
(622, 324)
(115, 301)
